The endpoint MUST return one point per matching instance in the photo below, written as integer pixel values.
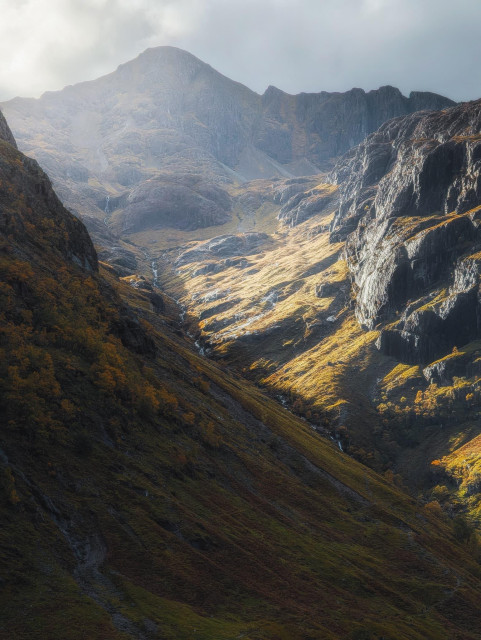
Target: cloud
(44, 45)
(297, 45)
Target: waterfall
(153, 266)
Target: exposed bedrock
(410, 210)
(304, 205)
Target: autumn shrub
(209, 434)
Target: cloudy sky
(296, 45)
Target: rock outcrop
(303, 204)
(30, 203)
(410, 211)
(5, 133)
(228, 247)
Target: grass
(400, 375)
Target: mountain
(159, 142)
(147, 492)
(154, 157)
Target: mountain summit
(168, 128)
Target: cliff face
(323, 126)
(5, 133)
(410, 206)
(159, 141)
(28, 203)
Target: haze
(302, 45)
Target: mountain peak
(164, 60)
(272, 90)
(166, 54)
(168, 114)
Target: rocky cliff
(28, 203)
(5, 133)
(410, 209)
(323, 126)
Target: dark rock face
(5, 133)
(30, 203)
(410, 209)
(328, 124)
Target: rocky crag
(5, 133)
(322, 126)
(28, 202)
(410, 210)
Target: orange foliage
(189, 418)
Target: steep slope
(159, 142)
(323, 126)
(5, 133)
(412, 191)
(410, 198)
(146, 493)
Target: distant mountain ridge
(167, 114)
(332, 123)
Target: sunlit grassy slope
(147, 492)
(284, 317)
